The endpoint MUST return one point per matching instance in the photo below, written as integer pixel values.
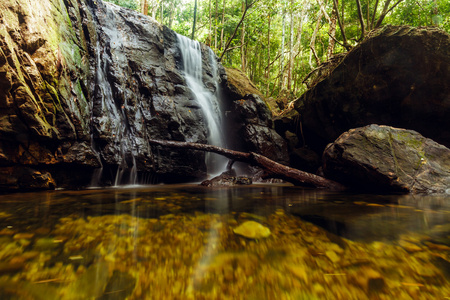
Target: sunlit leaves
(261, 45)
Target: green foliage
(260, 56)
(131, 4)
(423, 13)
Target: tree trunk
(144, 7)
(225, 49)
(171, 14)
(340, 20)
(215, 27)
(312, 44)
(361, 20)
(332, 32)
(223, 24)
(291, 46)
(268, 58)
(210, 26)
(242, 43)
(385, 11)
(195, 20)
(374, 13)
(154, 9)
(283, 38)
(272, 168)
(298, 44)
(162, 12)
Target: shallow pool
(182, 242)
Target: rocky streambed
(193, 243)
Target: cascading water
(113, 118)
(209, 101)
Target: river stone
(227, 178)
(252, 230)
(388, 159)
(398, 76)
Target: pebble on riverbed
(199, 256)
(252, 230)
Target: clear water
(182, 242)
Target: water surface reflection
(181, 242)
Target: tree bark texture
(272, 168)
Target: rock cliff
(83, 85)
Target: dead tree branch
(272, 168)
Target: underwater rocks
(198, 256)
(252, 230)
(227, 178)
(398, 76)
(388, 159)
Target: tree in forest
(131, 4)
(245, 7)
(195, 20)
(249, 35)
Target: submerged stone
(119, 286)
(252, 230)
(227, 179)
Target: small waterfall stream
(113, 117)
(209, 101)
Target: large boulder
(387, 159)
(398, 76)
(249, 120)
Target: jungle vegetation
(278, 43)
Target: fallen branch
(272, 168)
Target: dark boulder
(386, 159)
(398, 76)
(249, 119)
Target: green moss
(52, 91)
(409, 139)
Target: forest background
(281, 45)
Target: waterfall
(114, 119)
(209, 101)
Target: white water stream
(209, 101)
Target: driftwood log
(272, 168)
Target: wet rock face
(399, 77)
(253, 129)
(84, 84)
(388, 159)
(140, 93)
(249, 120)
(44, 75)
